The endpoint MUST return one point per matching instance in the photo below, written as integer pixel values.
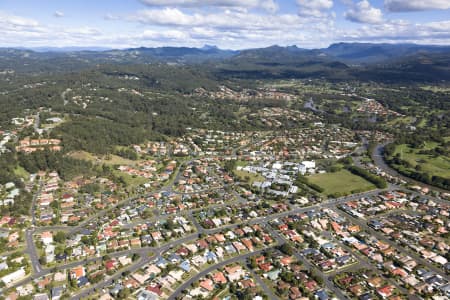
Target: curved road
(377, 157)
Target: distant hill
(422, 67)
(342, 61)
(367, 53)
(281, 62)
(179, 54)
(25, 60)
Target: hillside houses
(28, 145)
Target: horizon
(229, 24)
(43, 49)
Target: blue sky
(232, 24)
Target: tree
(286, 249)
(60, 237)
(124, 293)
(253, 263)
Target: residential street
(148, 254)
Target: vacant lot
(340, 183)
(248, 177)
(109, 160)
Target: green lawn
(400, 121)
(439, 165)
(436, 88)
(243, 176)
(342, 182)
(132, 181)
(21, 172)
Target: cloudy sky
(231, 24)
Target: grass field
(251, 177)
(21, 172)
(132, 181)
(400, 121)
(436, 88)
(114, 159)
(342, 182)
(439, 166)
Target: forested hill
(371, 62)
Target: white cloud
(165, 35)
(401, 31)
(316, 4)
(238, 28)
(58, 14)
(363, 12)
(415, 5)
(231, 27)
(314, 8)
(269, 5)
(229, 19)
(8, 20)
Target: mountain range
(386, 62)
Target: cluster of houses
(320, 142)
(424, 230)
(153, 148)
(8, 192)
(366, 285)
(60, 202)
(23, 122)
(28, 145)
(46, 196)
(6, 137)
(215, 281)
(215, 142)
(114, 235)
(279, 176)
(118, 235)
(58, 284)
(159, 277)
(405, 230)
(236, 213)
(306, 231)
(287, 277)
(225, 92)
(275, 117)
(198, 176)
(151, 169)
(371, 106)
(170, 203)
(377, 204)
(13, 268)
(9, 239)
(175, 148)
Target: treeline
(303, 180)
(98, 135)
(7, 165)
(412, 100)
(415, 172)
(376, 180)
(66, 166)
(21, 205)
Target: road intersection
(147, 254)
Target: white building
(10, 278)
(309, 164)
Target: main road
(149, 253)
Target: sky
(228, 24)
